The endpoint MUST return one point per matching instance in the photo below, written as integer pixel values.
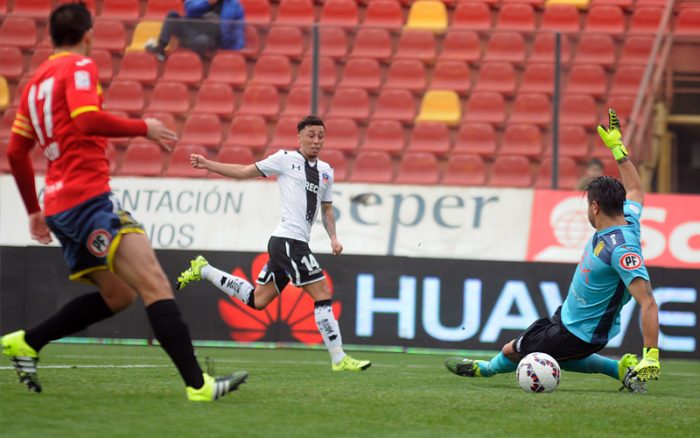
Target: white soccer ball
(538, 372)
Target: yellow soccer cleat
(215, 388)
(193, 273)
(350, 364)
(463, 367)
(24, 358)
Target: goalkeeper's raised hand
(648, 368)
(612, 136)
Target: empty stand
(252, 42)
(35, 9)
(418, 168)
(339, 13)
(521, 139)
(109, 35)
(103, 59)
(578, 109)
(202, 129)
(285, 134)
(138, 66)
(144, 31)
(142, 158)
(568, 174)
(169, 97)
(38, 57)
(574, 142)
(235, 155)
(510, 171)
(299, 103)
(627, 80)
(688, 22)
(372, 43)
(427, 15)
(327, 76)
(183, 66)
(440, 106)
(158, 9)
(338, 162)
(496, 76)
(595, 49)
(416, 44)
(561, 18)
(362, 73)
(285, 40)
(430, 137)
(384, 135)
(228, 67)
(18, 32)
(636, 50)
(538, 78)
(472, 15)
(452, 75)
(11, 66)
(544, 46)
(343, 135)
(248, 131)
(272, 70)
(485, 106)
(465, 170)
(516, 16)
(295, 12)
(395, 105)
(372, 167)
(505, 47)
(257, 11)
(646, 20)
(532, 108)
(406, 74)
(333, 42)
(260, 100)
(383, 13)
(476, 138)
(214, 98)
(179, 163)
(350, 103)
(605, 19)
(460, 45)
(8, 118)
(122, 10)
(587, 79)
(125, 96)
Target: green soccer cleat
(23, 357)
(193, 273)
(215, 388)
(350, 364)
(463, 367)
(629, 382)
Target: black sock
(251, 300)
(174, 336)
(73, 317)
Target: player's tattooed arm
(328, 218)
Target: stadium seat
(213, 98)
(109, 35)
(252, 43)
(395, 105)
(372, 43)
(295, 13)
(538, 78)
(627, 80)
(460, 45)
(430, 137)
(451, 75)
(248, 131)
(339, 13)
(18, 32)
(299, 103)
(158, 9)
(510, 171)
(416, 44)
(532, 108)
(327, 75)
(350, 103)
(285, 134)
(428, 15)
(103, 59)
(179, 163)
(338, 162)
(257, 12)
(574, 142)
(343, 135)
(384, 135)
(90, 4)
(516, 16)
(4, 93)
(6, 122)
(646, 20)
(587, 79)
(418, 168)
(228, 67)
(465, 170)
(372, 167)
(476, 138)
(521, 139)
(11, 66)
(623, 106)
(284, 40)
(35, 9)
(144, 31)
(472, 15)
(272, 70)
(260, 100)
(361, 73)
(544, 46)
(605, 19)
(383, 13)
(578, 109)
(183, 66)
(688, 22)
(561, 18)
(505, 47)
(18, 92)
(202, 129)
(636, 50)
(440, 106)
(122, 10)
(235, 155)
(333, 42)
(485, 106)
(496, 76)
(170, 97)
(4, 162)
(125, 96)
(625, 4)
(142, 158)
(406, 74)
(567, 178)
(138, 66)
(595, 49)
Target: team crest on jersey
(82, 80)
(630, 261)
(325, 177)
(598, 248)
(98, 242)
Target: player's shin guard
(329, 329)
(233, 286)
(499, 364)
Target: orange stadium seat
(125, 96)
(4, 93)
(285, 134)
(578, 109)
(567, 178)
(440, 106)
(587, 79)
(511, 171)
(460, 45)
(472, 15)
(333, 42)
(343, 135)
(339, 13)
(636, 50)
(538, 78)
(143, 33)
(215, 99)
(362, 73)
(561, 18)
(406, 74)
(109, 35)
(605, 19)
(452, 75)
(505, 47)
(595, 49)
(522, 140)
(688, 22)
(372, 167)
(338, 162)
(295, 12)
(418, 168)
(372, 43)
(516, 16)
(158, 9)
(235, 155)
(179, 162)
(257, 12)
(202, 129)
(142, 158)
(574, 142)
(476, 138)
(351, 103)
(485, 106)
(430, 137)
(36, 9)
(532, 108)
(122, 10)
(170, 97)
(40, 55)
(543, 49)
(327, 75)
(272, 70)
(384, 135)
(496, 76)
(395, 105)
(138, 66)
(248, 131)
(284, 40)
(427, 15)
(627, 80)
(260, 100)
(228, 67)
(465, 170)
(19, 32)
(383, 13)
(416, 44)
(11, 66)
(183, 66)
(103, 59)
(645, 20)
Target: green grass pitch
(130, 391)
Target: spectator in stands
(206, 26)
(593, 170)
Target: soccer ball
(538, 372)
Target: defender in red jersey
(61, 110)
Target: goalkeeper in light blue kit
(610, 272)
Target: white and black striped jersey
(303, 186)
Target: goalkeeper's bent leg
(593, 364)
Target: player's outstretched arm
(328, 218)
(649, 367)
(235, 171)
(612, 137)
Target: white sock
(233, 286)
(329, 329)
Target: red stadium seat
(183, 66)
(36, 9)
(202, 129)
(257, 12)
(39, 55)
(339, 13)
(505, 47)
(587, 79)
(252, 42)
(418, 168)
(343, 135)
(605, 19)
(138, 66)
(532, 108)
(11, 66)
(125, 96)
(372, 167)
(626, 4)
(109, 35)
(235, 155)
(372, 43)
(496, 76)
(362, 73)
(284, 40)
(406, 74)
(333, 42)
(260, 100)
(485, 106)
(17, 95)
(595, 49)
(338, 162)
(623, 106)
(646, 20)
(511, 171)
(215, 99)
(327, 75)
(19, 32)
(395, 105)
(179, 163)
(476, 138)
(452, 75)
(465, 170)
(351, 103)
(567, 178)
(299, 103)
(416, 44)
(578, 109)
(228, 67)
(248, 131)
(472, 15)
(627, 80)
(122, 10)
(285, 134)
(383, 13)
(636, 50)
(430, 137)
(522, 140)
(158, 9)
(8, 119)
(574, 142)
(384, 135)
(142, 158)
(460, 45)
(170, 97)
(295, 13)
(538, 78)
(90, 4)
(544, 46)
(561, 18)
(516, 16)
(688, 22)
(103, 59)
(272, 70)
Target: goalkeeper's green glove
(648, 368)
(612, 137)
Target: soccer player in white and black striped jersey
(305, 182)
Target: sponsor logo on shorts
(98, 243)
(630, 261)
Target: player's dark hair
(309, 121)
(68, 24)
(609, 193)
